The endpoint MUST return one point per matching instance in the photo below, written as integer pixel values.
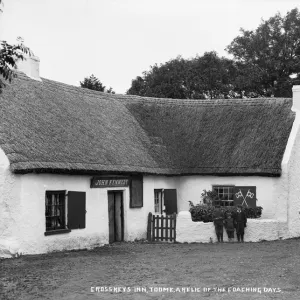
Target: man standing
(240, 221)
(218, 218)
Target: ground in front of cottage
(273, 268)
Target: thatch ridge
(202, 102)
(50, 126)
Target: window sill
(59, 231)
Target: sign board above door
(105, 182)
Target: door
(170, 201)
(115, 216)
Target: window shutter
(245, 195)
(76, 210)
(170, 201)
(136, 191)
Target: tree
(273, 51)
(213, 75)
(93, 83)
(9, 55)
(196, 78)
(169, 80)
(138, 87)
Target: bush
(203, 212)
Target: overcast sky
(116, 40)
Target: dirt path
(229, 267)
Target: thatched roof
(53, 127)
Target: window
(55, 210)
(64, 211)
(158, 201)
(225, 194)
(231, 195)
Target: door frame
(121, 192)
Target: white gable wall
(293, 167)
(291, 171)
(10, 213)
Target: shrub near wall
(204, 212)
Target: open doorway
(115, 216)
(165, 201)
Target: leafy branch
(9, 55)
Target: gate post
(149, 227)
(174, 216)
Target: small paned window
(158, 201)
(64, 211)
(225, 195)
(55, 211)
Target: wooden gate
(161, 228)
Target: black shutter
(245, 196)
(136, 191)
(76, 210)
(170, 201)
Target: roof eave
(221, 172)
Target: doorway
(115, 216)
(165, 201)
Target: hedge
(203, 212)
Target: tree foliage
(93, 83)
(9, 55)
(169, 80)
(196, 78)
(213, 75)
(272, 52)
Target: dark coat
(218, 217)
(240, 221)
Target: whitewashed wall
(33, 208)
(22, 206)
(257, 230)
(191, 188)
(10, 212)
(22, 226)
(293, 179)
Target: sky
(117, 40)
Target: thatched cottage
(80, 168)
